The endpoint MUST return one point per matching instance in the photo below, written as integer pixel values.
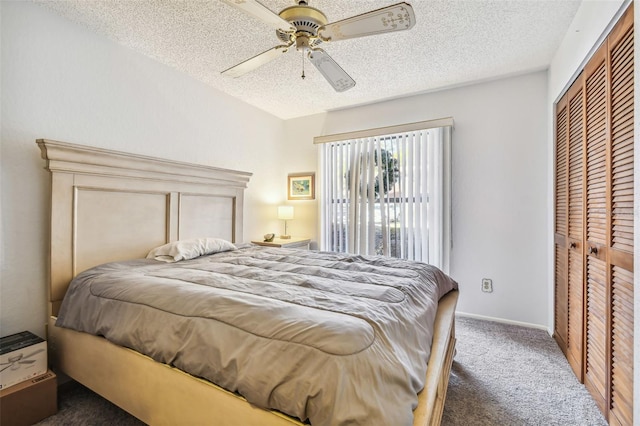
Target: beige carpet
(502, 375)
(510, 375)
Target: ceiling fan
(307, 28)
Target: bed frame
(108, 206)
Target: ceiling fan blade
(262, 13)
(329, 68)
(397, 17)
(256, 62)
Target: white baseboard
(504, 321)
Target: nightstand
(293, 242)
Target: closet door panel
(596, 370)
(621, 245)
(622, 143)
(561, 292)
(622, 347)
(561, 191)
(561, 297)
(575, 224)
(596, 155)
(575, 176)
(597, 128)
(576, 314)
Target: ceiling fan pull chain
(303, 66)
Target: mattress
(329, 338)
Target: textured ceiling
(452, 43)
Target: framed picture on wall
(301, 186)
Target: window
(387, 192)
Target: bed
(111, 206)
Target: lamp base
(285, 237)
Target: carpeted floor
(502, 375)
(510, 375)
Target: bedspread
(333, 338)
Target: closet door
(561, 309)
(569, 226)
(575, 207)
(609, 224)
(620, 239)
(597, 301)
(594, 228)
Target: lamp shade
(285, 212)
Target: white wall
(300, 155)
(588, 26)
(499, 185)
(62, 82)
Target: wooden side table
(293, 242)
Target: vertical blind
(388, 195)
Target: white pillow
(189, 249)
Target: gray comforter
(333, 338)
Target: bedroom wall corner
(60, 81)
(301, 155)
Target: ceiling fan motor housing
(307, 21)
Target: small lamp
(285, 213)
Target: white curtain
(388, 195)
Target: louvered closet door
(594, 224)
(609, 224)
(597, 128)
(569, 226)
(620, 243)
(561, 310)
(575, 226)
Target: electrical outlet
(487, 285)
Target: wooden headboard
(109, 205)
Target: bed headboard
(109, 205)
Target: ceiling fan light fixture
(302, 43)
